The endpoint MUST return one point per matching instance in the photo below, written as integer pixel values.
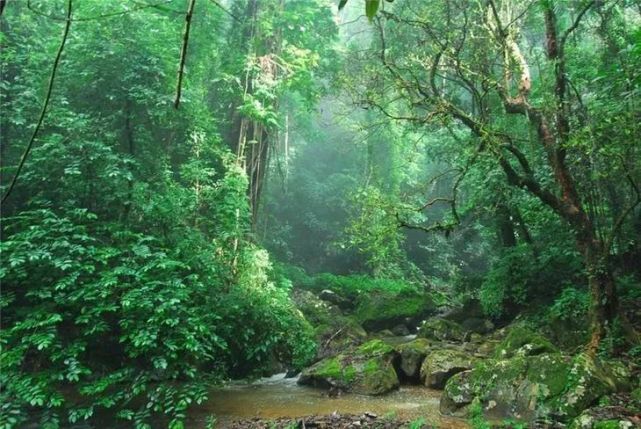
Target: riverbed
(278, 396)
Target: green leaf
(371, 7)
(342, 4)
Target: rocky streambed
(278, 401)
(455, 366)
(510, 374)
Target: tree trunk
(603, 296)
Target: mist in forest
(320, 213)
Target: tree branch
(447, 227)
(576, 23)
(520, 157)
(183, 52)
(224, 9)
(619, 221)
(45, 104)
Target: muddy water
(278, 396)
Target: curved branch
(619, 222)
(45, 104)
(576, 22)
(520, 156)
(224, 9)
(447, 227)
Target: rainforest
(320, 214)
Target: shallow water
(278, 396)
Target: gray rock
(412, 355)
(440, 365)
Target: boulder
(367, 369)
(334, 298)
(316, 311)
(441, 330)
(334, 331)
(458, 394)
(589, 379)
(486, 347)
(608, 417)
(477, 325)
(385, 333)
(400, 330)
(379, 310)
(543, 387)
(441, 364)
(472, 308)
(411, 357)
(522, 341)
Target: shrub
(571, 305)
(98, 317)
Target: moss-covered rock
(441, 364)
(486, 347)
(411, 357)
(477, 325)
(441, 330)
(609, 417)
(587, 380)
(522, 341)
(332, 297)
(458, 394)
(401, 330)
(367, 369)
(471, 308)
(384, 310)
(530, 388)
(333, 330)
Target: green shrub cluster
(354, 285)
(98, 317)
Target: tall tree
(473, 67)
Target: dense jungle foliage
(183, 179)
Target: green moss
(587, 380)
(334, 369)
(330, 368)
(551, 370)
(353, 286)
(349, 374)
(367, 370)
(523, 341)
(489, 372)
(382, 309)
(607, 424)
(441, 330)
(371, 367)
(378, 377)
(374, 348)
(419, 345)
(537, 386)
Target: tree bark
(604, 301)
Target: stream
(277, 396)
